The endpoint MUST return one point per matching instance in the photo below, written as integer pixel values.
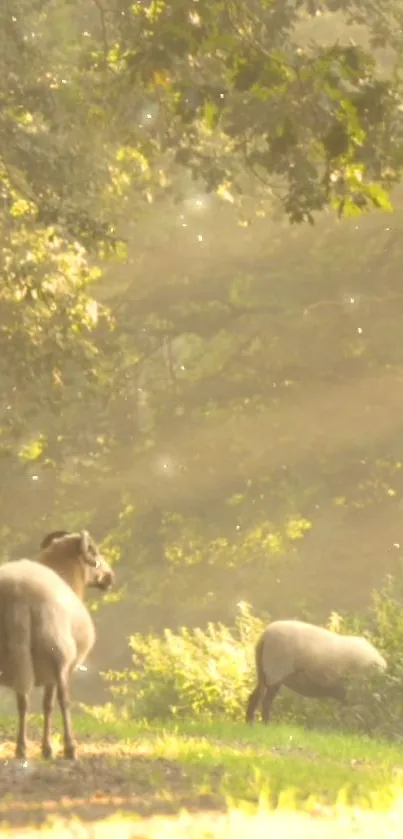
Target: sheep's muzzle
(106, 581)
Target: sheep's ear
(85, 542)
(50, 537)
(88, 549)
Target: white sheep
(310, 660)
(46, 631)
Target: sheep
(310, 660)
(46, 631)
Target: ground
(202, 780)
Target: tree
(51, 215)
(235, 99)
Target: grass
(202, 779)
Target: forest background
(201, 303)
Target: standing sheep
(310, 660)
(46, 631)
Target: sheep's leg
(64, 703)
(48, 703)
(21, 743)
(253, 702)
(269, 695)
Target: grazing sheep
(46, 631)
(310, 660)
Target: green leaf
(211, 114)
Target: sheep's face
(63, 549)
(98, 574)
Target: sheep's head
(61, 549)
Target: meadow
(201, 780)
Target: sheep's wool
(291, 646)
(42, 621)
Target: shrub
(210, 672)
(207, 673)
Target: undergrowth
(210, 672)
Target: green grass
(229, 778)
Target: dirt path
(121, 790)
(108, 778)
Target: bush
(207, 673)
(210, 673)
